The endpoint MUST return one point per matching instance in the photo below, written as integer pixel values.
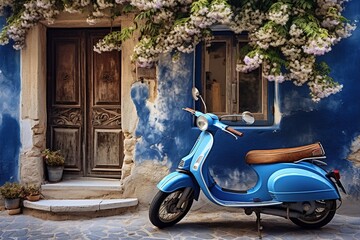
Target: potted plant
(55, 164)
(32, 192)
(12, 192)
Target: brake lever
(236, 138)
(190, 110)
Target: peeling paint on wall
(163, 128)
(355, 152)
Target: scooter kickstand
(258, 223)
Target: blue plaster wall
(335, 121)
(9, 112)
(165, 130)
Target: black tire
(320, 217)
(163, 212)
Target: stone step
(80, 205)
(82, 188)
(78, 208)
(80, 197)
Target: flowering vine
(285, 36)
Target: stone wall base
(143, 180)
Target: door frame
(88, 114)
(33, 95)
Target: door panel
(105, 73)
(67, 139)
(65, 105)
(106, 148)
(104, 130)
(84, 97)
(67, 71)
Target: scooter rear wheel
(163, 211)
(323, 214)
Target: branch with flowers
(285, 36)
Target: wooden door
(84, 103)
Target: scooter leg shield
(295, 185)
(177, 180)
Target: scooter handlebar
(230, 129)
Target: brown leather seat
(284, 154)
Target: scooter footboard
(295, 185)
(177, 180)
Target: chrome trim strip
(309, 158)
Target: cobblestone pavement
(196, 225)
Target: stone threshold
(80, 205)
(84, 183)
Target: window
(227, 91)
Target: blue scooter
(291, 181)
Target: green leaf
(144, 15)
(198, 5)
(128, 8)
(181, 21)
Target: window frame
(266, 115)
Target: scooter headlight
(202, 123)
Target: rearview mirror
(195, 93)
(248, 117)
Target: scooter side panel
(296, 184)
(177, 180)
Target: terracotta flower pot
(33, 198)
(14, 211)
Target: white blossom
(103, 46)
(250, 63)
(247, 19)
(322, 88)
(283, 53)
(318, 46)
(104, 4)
(280, 15)
(275, 78)
(267, 36)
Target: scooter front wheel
(322, 215)
(164, 210)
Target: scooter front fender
(177, 180)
